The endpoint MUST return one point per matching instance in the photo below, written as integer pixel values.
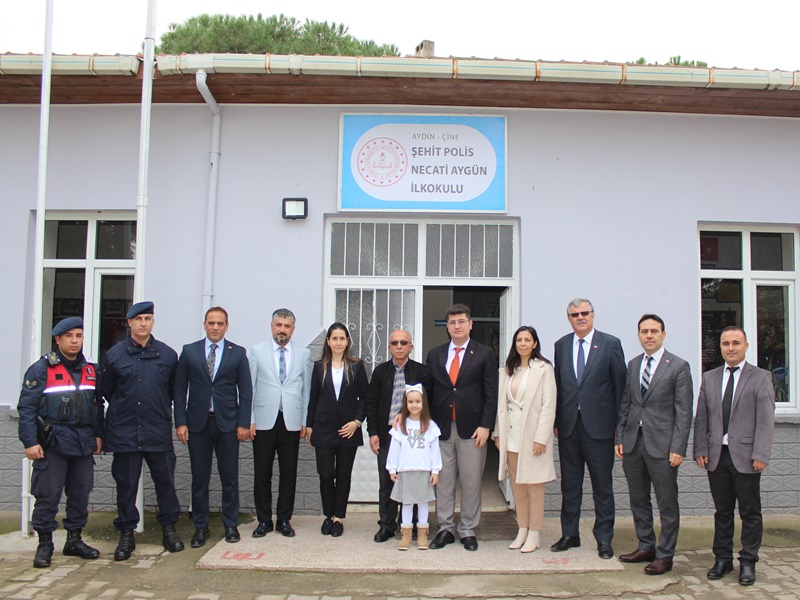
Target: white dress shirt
(576, 344)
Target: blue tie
(282, 365)
(581, 360)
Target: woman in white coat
(526, 411)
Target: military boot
(75, 546)
(171, 540)
(44, 551)
(125, 547)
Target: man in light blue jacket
(281, 373)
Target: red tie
(454, 367)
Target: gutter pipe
(213, 179)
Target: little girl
(414, 462)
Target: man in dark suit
(590, 377)
(652, 435)
(732, 441)
(461, 380)
(384, 400)
(214, 419)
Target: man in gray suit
(281, 374)
(732, 441)
(652, 435)
(590, 379)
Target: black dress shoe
(232, 535)
(604, 550)
(285, 528)
(337, 529)
(441, 540)
(327, 526)
(659, 566)
(263, 529)
(720, 569)
(383, 535)
(747, 574)
(638, 556)
(470, 543)
(566, 542)
(199, 538)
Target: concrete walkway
(385, 572)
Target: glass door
(773, 343)
(113, 296)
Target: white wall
(609, 206)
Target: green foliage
(675, 61)
(277, 34)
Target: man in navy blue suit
(590, 378)
(214, 418)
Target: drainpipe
(38, 260)
(213, 178)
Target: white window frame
(750, 280)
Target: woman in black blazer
(336, 409)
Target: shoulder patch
(31, 384)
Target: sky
(729, 33)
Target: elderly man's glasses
(399, 343)
(583, 313)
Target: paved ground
(153, 574)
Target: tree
(675, 61)
(277, 34)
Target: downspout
(143, 186)
(213, 178)
(38, 252)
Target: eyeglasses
(583, 313)
(460, 323)
(399, 343)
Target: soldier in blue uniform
(61, 424)
(138, 381)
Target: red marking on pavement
(228, 555)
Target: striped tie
(646, 376)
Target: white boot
(532, 542)
(520, 539)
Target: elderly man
(732, 442)
(590, 377)
(384, 400)
(60, 425)
(138, 383)
(652, 435)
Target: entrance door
(113, 295)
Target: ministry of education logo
(382, 162)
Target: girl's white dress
(414, 457)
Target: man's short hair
(216, 309)
(283, 313)
(734, 328)
(577, 302)
(457, 309)
(651, 317)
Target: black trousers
(335, 468)
(729, 486)
(575, 451)
(387, 508)
(202, 446)
(266, 444)
(126, 470)
(56, 472)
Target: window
(89, 264)
(748, 279)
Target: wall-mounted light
(295, 208)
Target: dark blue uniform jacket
(137, 385)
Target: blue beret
(64, 325)
(140, 308)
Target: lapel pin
(596, 347)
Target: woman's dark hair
(348, 359)
(513, 361)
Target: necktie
(282, 365)
(727, 400)
(398, 390)
(211, 361)
(581, 360)
(454, 368)
(646, 376)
